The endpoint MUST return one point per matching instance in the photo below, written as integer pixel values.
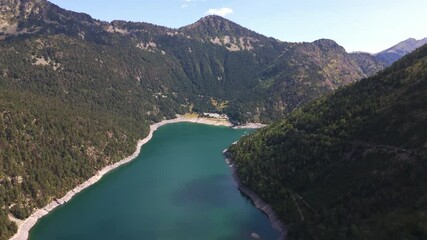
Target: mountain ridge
(397, 51)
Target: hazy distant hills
(399, 50)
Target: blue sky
(357, 25)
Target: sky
(357, 25)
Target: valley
(77, 93)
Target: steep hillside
(350, 165)
(220, 60)
(399, 50)
(76, 93)
(308, 71)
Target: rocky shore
(257, 200)
(250, 126)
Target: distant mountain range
(399, 50)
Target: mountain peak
(327, 44)
(224, 32)
(392, 54)
(213, 24)
(213, 18)
(407, 45)
(216, 20)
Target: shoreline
(259, 203)
(250, 126)
(24, 226)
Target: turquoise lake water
(179, 187)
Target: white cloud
(219, 11)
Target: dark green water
(178, 188)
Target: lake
(179, 187)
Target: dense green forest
(213, 58)
(76, 93)
(350, 165)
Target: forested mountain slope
(76, 93)
(213, 58)
(350, 165)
